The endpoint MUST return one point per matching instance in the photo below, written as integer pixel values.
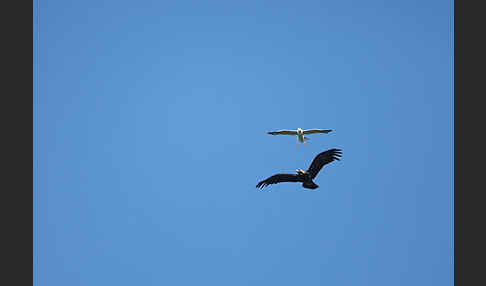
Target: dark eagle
(305, 177)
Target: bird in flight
(300, 133)
(304, 177)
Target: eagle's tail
(310, 185)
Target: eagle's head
(299, 130)
(301, 172)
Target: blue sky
(151, 121)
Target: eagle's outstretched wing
(279, 178)
(283, 132)
(312, 131)
(322, 159)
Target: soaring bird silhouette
(305, 177)
(299, 133)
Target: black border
(17, 141)
(469, 169)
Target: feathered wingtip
(262, 184)
(336, 153)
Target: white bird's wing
(283, 132)
(312, 131)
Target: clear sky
(152, 120)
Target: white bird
(300, 133)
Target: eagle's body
(299, 133)
(305, 177)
